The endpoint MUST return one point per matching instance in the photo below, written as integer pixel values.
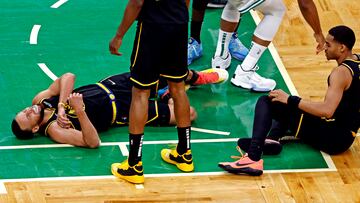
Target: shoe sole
(250, 88)
(182, 166)
(227, 65)
(131, 179)
(247, 170)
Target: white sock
(222, 48)
(252, 58)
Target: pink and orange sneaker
(212, 76)
(244, 166)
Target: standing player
(165, 21)
(273, 10)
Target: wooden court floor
(308, 72)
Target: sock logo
(188, 138)
(140, 146)
(223, 45)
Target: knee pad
(200, 5)
(230, 13)
(273, 11)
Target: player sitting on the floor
(329, 126)
(76, 116)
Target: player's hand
(76, 101)
(279, 96)
(62, 119)
(320, 39)
(114, 46)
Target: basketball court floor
(42, 40)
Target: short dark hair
(19, 133)
(343, 35)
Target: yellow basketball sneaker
(184, 162)
(133, 174)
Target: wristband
(293, 101)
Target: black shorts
(325, 135)
(160, 50)
(158, 113)
(328, 136)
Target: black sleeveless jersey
(164, 12)
(106, 102)
(348, 112)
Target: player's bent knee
(230, 14)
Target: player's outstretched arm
(309, 11)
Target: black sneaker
(271, 147)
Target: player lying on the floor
(329, 126)
(76, 116)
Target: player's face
(29, 117)
(332, 48)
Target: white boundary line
(58, 4)
(289, 83)
(329, 161)
(47, 71)
(159, 175)
(120, 144)
(34, 34)
(209, 131)
(2, 188)
(124, 150)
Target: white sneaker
(251, 80)
(218, 62)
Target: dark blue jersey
(164, 12)
(106, 103)
(348, 112)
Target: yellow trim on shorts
(174, 77)
(141, 84)
(137, 47)
(156, 113)
(300, 122)
(112, 99)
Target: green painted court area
(74, 38)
